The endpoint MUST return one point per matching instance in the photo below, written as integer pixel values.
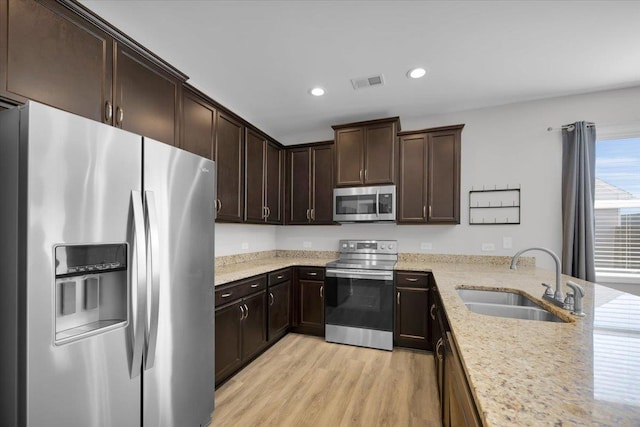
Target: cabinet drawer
(279, 276)
(240, 289)
(311, 273)
(412, 280)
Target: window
(617, 210)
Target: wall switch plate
(306, 244)
(507, 243)
(244, 245)
(425, 246)
(488, 247)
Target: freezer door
(178, 379)
(80, 178)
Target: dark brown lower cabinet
(279, 309)
(240, 324)
(228, 331)
(412, 310)
(459, 406)
(309, 301)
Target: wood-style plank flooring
(305, 381)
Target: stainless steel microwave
(354, 204)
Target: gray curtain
(578, 192)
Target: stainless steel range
(359, 294)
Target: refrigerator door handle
(153, 269)
(138, 286)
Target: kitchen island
(525, 372)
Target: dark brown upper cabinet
(366, 152)
(59, 54)
(146, 98)
(264, 172)
(229, 156)
(198, 124)
(429, 184)
(52, 56)
(310, 184)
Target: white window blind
(617, 208)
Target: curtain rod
(569, 127)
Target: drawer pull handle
(411, 279)
(439, 345)
(398, 298)
(321, 291)
(241, 312)
(226, 295)
(255, 285)
(433, 307)
(313, 274)
(272, 298)
(280, 276)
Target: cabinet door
(51, 56)
(298, 188)
(322, 184)
(198, 119)
(412, 311)
(274, 182)
(443, 169)
(312, 304)
(379, 154)
(146, 98)
(254, 328)
(229, 167)
(279, 309)
(412, 187)
(228, 333)
(349, 156)
(254, 174)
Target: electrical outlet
(244, 245)
(488, 247)
(306, 244)
(426, 246)
(507, 243)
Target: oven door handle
(359, 274)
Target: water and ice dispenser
(90, 290)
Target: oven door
(359, 299)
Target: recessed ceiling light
(317, 91)
(416, 73)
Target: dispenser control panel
(72, 260)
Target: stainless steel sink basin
(505, 304)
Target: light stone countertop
(526, 372)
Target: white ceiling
(260, 58)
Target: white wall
(504, 145)
(231, 237)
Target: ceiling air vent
(363, 82)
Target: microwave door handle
(378, 203)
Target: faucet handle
(577, 289)
(547, 291)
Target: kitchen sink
(505, 304)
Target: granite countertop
(524, 372)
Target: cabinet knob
(108, 111)
(119, 116)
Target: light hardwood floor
(305, 381)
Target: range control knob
(382, 246)
(390, 245)
(344, 245)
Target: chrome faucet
(557, 297)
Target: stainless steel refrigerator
(106, 275)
